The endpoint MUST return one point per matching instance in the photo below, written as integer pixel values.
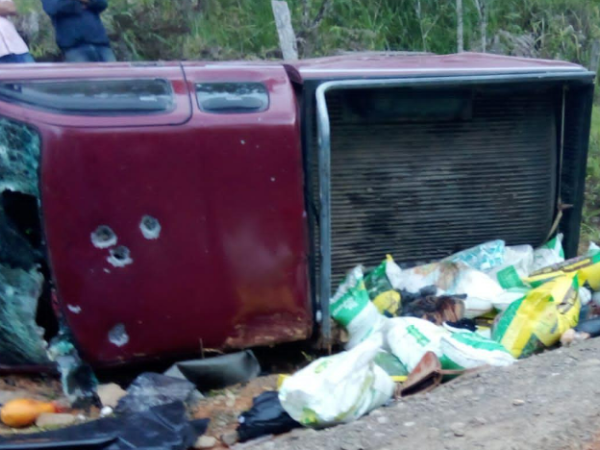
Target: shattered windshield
(21, 277)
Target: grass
(232, 29)
(590, 227)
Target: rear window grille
(423, 190)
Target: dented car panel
(165, 238)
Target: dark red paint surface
(382, 65)
(230, 266)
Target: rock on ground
(205, 442)
(55, 420)
(560, 410)
(110, 394)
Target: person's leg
(80, 54)
(8, 59)
(24, 58)
(105, 53)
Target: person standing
(12, 47)
(80, 33)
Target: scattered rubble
(458, 429)
(409, 330)
(205, 442)
(23, 412)
(49, 420)
(165, 426)
(266, 417)
(153, 389)
(110, 394)
(219, 371)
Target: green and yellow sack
(379, 287)
(352, 309)
(587, 269)
(539, 319)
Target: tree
(426, 23)
(482, 11)
(459, 27)
(309, 26)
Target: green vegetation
(227, 29)
(591, 212)
(245, 29)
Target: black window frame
(85, 106)
(263, 108)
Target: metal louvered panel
(422, 190)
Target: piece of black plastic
(44, 443)
(591, 327)
(217, 372)
(266, 416)
(164, 427)
(464, 324)
(153, 389)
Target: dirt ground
(550, 401)
(224, 408)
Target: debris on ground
(78, 380)
(445, 308)
(153, 389)
(217, 372)
(560, 411)
(380, 289)
(163, 427)
(482, 257)
(50, 420)
(352, 308)
(339, 388)
(266, 417)
(110, 394)
(409, 331)
(454, 278)
(204, 442)
(390, 364)
(23, 412)
(539, 319)
(224, 407)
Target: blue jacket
(76, 23)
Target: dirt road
(550, 401)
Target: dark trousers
(12, 58)
(89, 53)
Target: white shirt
(10, 41)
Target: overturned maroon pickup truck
(172, 208)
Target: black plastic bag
(266, 416)
(153, 389)
(219, 371)
(164, 427)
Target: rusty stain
(269, 330)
